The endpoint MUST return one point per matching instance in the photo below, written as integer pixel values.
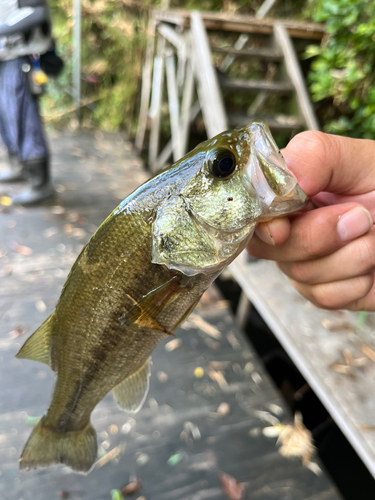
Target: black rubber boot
(36, 172)
(13, 171)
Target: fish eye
(222, 163)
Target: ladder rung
(254, 85)
(278, 122)
(261, 53)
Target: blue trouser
(20, 122)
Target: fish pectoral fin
(131, 393)
(143, 312)
(37, 347)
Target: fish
(140, 276)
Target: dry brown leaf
(296, 441)
(231, 487)
(173, 344)
(223, 409)
(233, 341)
(370, 353)
(217, 376)
(345, 369)
(206, 327)
(21, 249)
(131, 488)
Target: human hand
(329, 251)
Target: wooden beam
(254, 85)
(209, 93)
(146, 86)
(295, 74)
(172, 36)
(173, 106)
(167, 151)
(242, 24)
(156, 98)
(261, 53)
(187, 98)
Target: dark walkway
(209, 398)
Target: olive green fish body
(142, 273)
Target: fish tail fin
(77, 449)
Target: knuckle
(365, 255)
(321, 297)
(299, 271)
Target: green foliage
(342, 71)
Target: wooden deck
(190, 428)
(333, 350)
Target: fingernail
(354, 223)
(262, 232)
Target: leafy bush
(343, 69)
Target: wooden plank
(255, 85)
(277, 122)
(187, 98)
(167, 151)
(259, 53)
(265, 8)
(172, 36)
(146, 86)
(295, 74)
(189, 428)
(243, 24)
(315, 340)
(156, 100)
(173, 106)
(209, 93)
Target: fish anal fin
(131, 393)
(37, 347)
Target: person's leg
(32, 148)
(9, 120)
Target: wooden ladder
(181, 54)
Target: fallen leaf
(162, 377)
(231, 487)
(173, 344)
(131, 488)
(17, 332)
(51, 231)
(206, 327)
(370, 353)
(233, 341)
(6, 201)
(21, 249)
(115, 452)
(223, 409)
(40, 306)
(217, 376)
(296, 440)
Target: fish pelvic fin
(131, 393)
(76, 449)
(37, 347)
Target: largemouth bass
(142, 273)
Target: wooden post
(173, 106)
(146, 86)
(209, 92)
(295, 74)
(187, 98)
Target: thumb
(323, 162)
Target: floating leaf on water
(198, 372)
(231, 487)
(296, 440)
(370, 353)
(273, 431)
(51, 231)
(162, 377)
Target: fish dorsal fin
(131, 393)
(37, 347)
